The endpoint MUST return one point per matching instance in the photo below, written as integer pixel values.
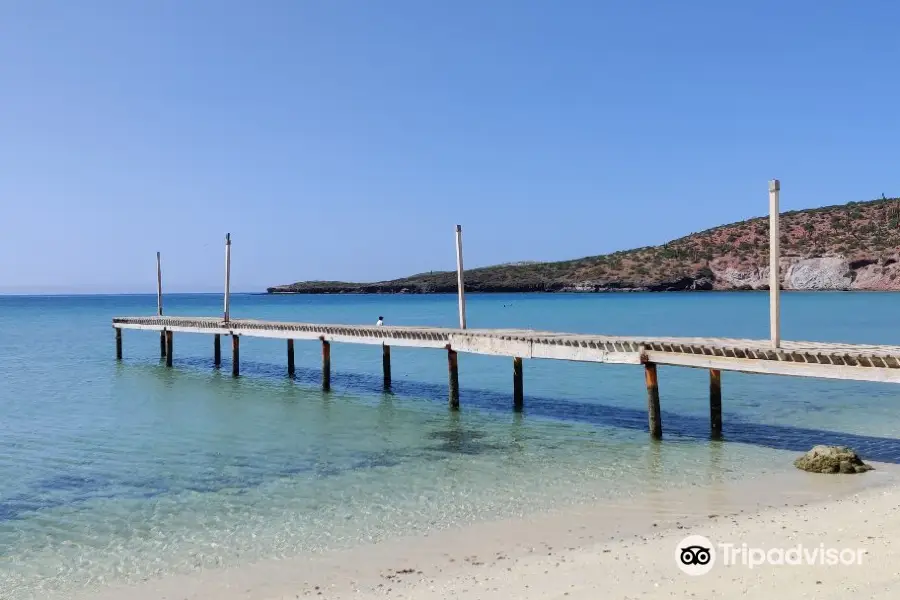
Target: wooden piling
(518, 387)
(227, 307)
(169, 344)
(118, 343)
(326, 364)
(290, 357)
(453, 372)
(715, 403)
(653, 400)
(460, 278)
(217, 350)
(774, 264)
(159, 305)
(386, 365)
(235, 355)
(159, 299)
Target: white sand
(624, 550)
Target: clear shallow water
(120, 471)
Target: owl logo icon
(695, 555)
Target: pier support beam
(118, 343)
(326, 364)
(460, 278)
(774, 264)
(235, 355)
(715, 403)
(386, 365)
(453, 372)
(653, 400)
(169, 343)
(217, 350)
(518, 387)
(290, 358)
(227, 308)
(159, 305)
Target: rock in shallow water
(832, 459)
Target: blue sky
(344, 140)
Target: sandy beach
(625, 549)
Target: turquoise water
(123, 471)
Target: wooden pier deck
(800, 359)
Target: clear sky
(344, 139)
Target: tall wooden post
(518, 387)
(159, 305)
(453, 373)
(217, 350)
(159, 302)
(118, 343)
(653, 400)
(227, 277)
(774, 266)
(386, 365)
(169, 344)
(235, 355)
(715, 403)
(326, 364)
(460, 280)
(290, 357)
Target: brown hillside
(850, 246)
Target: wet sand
(612, 549)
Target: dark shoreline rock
(832, 459)
(700, 282)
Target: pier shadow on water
(456, 437)
(735, 428)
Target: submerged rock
(832, 459)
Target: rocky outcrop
(832, 459)
(819, 273)
(827, 273)
(702, 281)
(737, 278)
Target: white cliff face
(826, 273)
(734, 277)
(820, 273)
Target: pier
(799, 359)
(771, 357)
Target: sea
(117, 472)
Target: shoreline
(574, 292)
(624, 545)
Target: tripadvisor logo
(697, 555)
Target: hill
(854, 246)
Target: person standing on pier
(380, 322)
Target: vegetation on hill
(862, 233)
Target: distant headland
(853, 246)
